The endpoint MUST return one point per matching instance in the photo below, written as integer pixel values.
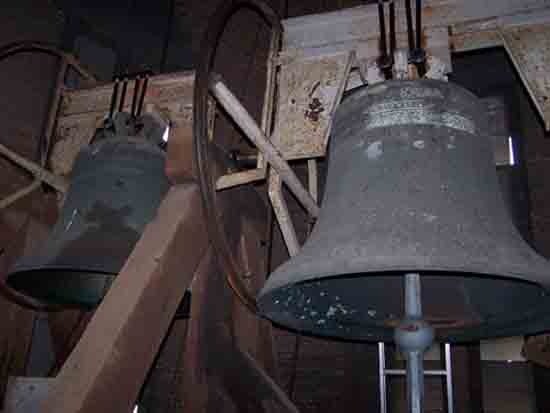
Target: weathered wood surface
(448, 25)
(537, 350)
(216, 368)
(108, 367)
(529, 49)
(83, 110)
(309, 92)
(361, 23)
(229, 351)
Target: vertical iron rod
(413, 304)
(415, 358)
(385, 61)
(123, 94)
(418, 24)
(114, 98)
(449, 378)
(382, 25)
(137, 88)
(393, 37)
(415, 381)
(142, 95)
(382, 377)
(410, 35)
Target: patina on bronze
(411, 188)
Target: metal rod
(385, 61)
(142, 95)
(410, 35)
(413, 303)
(418, 24)
(52, 114)
(6, 202)
(137, 88)
(415, 381)
(57, 182)
(449, 378)
(402, 372)
(382, 377)
(393, 36)
(249, 126)
(382, 26)
(420, 53)
(114, 98)
(415, 359)
(31, 46)
(123, 94)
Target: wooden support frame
(108, 366)
(218, 371)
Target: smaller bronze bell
(117, 184)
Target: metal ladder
(383, 372)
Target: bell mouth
(63, 287)
(461, 307)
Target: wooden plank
(66, 329)
(529, 49)
(253, 334)
(194, 391)
(467, 378)
(107, 368)
(435, 41)
(83, 111)
(214, 363)
(361, 23)
(541, 382)
(228, 350)
(310, 89)
(162, 88)
(160, 392)
(537, 350)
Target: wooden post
(227, 349)
(108, 366)
(215, 366)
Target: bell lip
(537, 277)
(536, 322)
(22, 279)
(537, 326)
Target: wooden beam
(228, 350)
(361, 23)
(107, 368)
(251, 333)
(467, 378)
(214, 364)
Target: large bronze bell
(411, 188)
(117, 184)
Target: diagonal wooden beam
(215, 366)
(108, 366)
